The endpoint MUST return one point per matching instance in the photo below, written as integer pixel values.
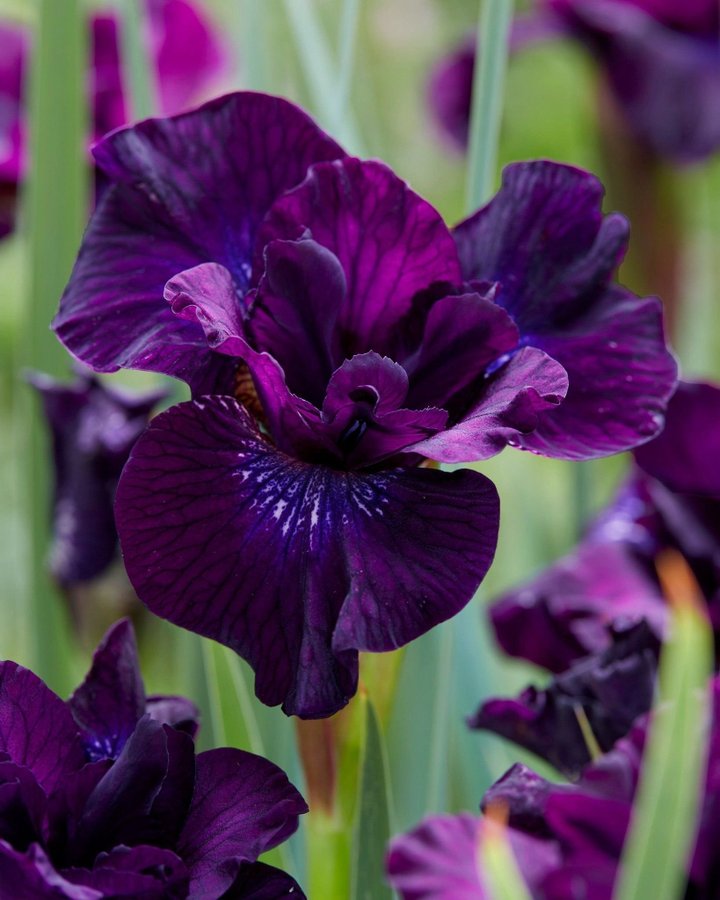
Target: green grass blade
(252, 42)
(321, 71)
(348, 38)
(487, 98)
(57, 197)
(664, 819)
(373, 829)
(138, 74)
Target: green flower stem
(138, 75)
(57, 202)
(487, 98)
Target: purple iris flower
(671, 501)
(335, 334)
(661, 58)
(605, 692)
(104, 796)
(93, 429)
(186, 54)
(567, 838)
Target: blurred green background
(551, 111)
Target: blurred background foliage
(550, 111)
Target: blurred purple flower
(361, 336)
(186, 54)
(94, 428)
(610, 689)
(662, 59)
(670, 501)
(567, 838)
(103, 796)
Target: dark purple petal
(258, 881)
(179, 712)
(125, 873)
(621, 377)
(563, 613)
(31, 876)
(93, 428)
(242, 806)
(523, 795)
(510, 406)
(111, 700)
(611, 690)
(390, 242)
(685, 455)
(463, 335)
(295, 566)
(22, 806)
(36, 727)
(544, 239)
(187, 190)
(438, 860)
(143, 798)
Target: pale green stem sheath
(348, 38)
(138, 73)
(320, 71)
(437, 775)
(57, 198)
(252, 44)
(487, 99)
(210, 650)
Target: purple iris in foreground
(335, 334)
(93, 429)
(661, 59)
(670, 503)
(186, 55)
(103, 796)
(567, 838)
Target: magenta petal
(186, 190)
(243, 805)
(36, 727)
(510, 406)
(295, 566)
(390, 242)
(685, 455)
(438, 860)
(111, 700)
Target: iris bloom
(661, 58)
(104, 796)
(670, 502)
(93, 429)
(186, 55)
(567, 838)
(335, 334)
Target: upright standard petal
(544, 239)
(242, 806)
(390, 242)
(293, 565)
(186, 190)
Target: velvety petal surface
(258, 881)
(37, 729)
(439, 860)
(684, 456)
(150, 873)
(295, 566)
(178, 712)
(390, 242)
(31, 876)
(242, 806)
(186, 190)
(610, 690)
(544, 239)
(111, 700)
(563, 614)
